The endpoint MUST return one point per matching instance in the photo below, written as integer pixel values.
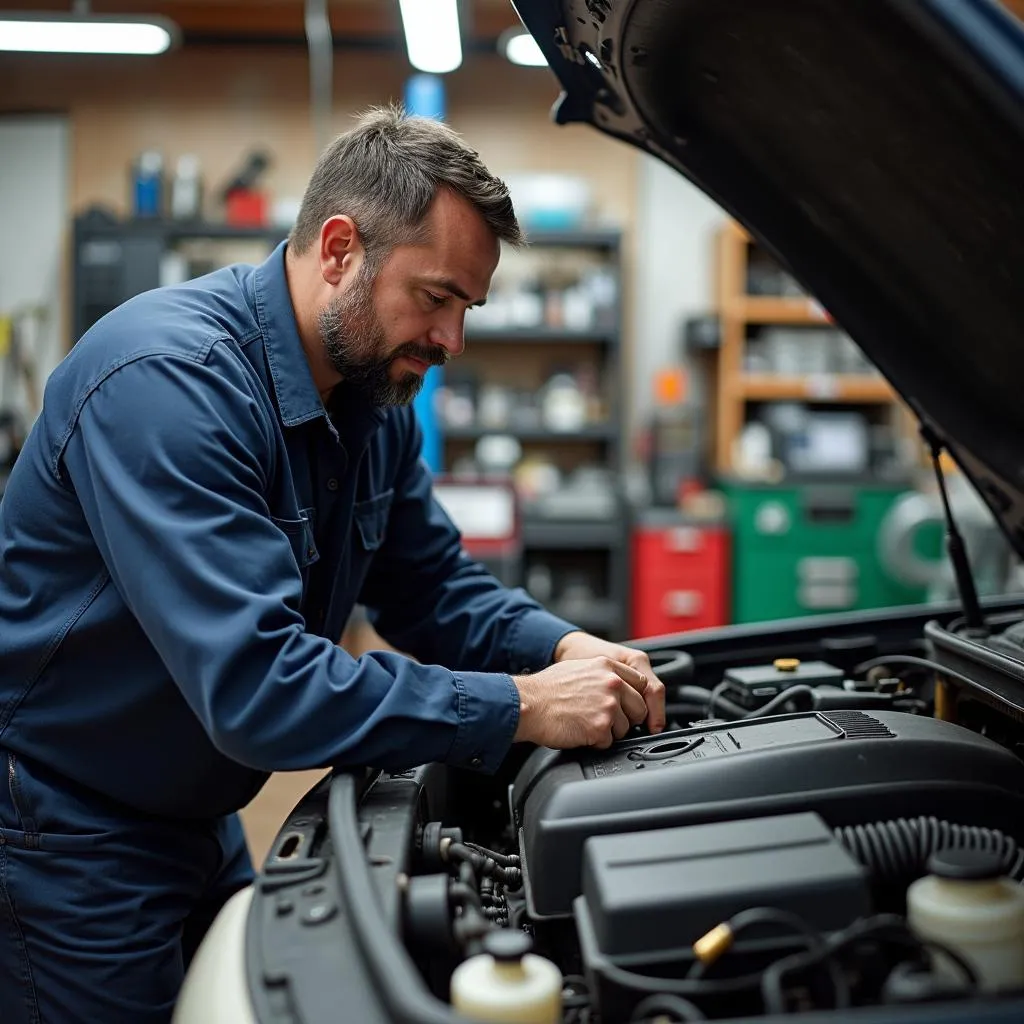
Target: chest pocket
(300, 535)
(371, 519)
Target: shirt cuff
(533, 639)
(488, 712)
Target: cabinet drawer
(680, 579)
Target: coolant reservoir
(965, 903)
(507, 983)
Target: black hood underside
(875, 146)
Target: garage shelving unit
(569, 545)
(739, 313)
(803, 543)
(114, 259)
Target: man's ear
(341, 248)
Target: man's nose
(450, 335)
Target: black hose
(506, 860)
(898, 850)
(672, 667)
(780, 700)
(760, 916)
(483, 864)
(666, 1007)
(715, 695)
(699, 696)
(713, 703)
(772, 987)
(462, 895)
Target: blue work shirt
(181, 543)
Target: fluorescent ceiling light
(521, 48)
(88, 34)
(432, 34)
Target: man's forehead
(457, 269)
(454, 222)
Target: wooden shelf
(738, 311)
(826, 387)
(773, 309)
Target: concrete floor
(263, 818)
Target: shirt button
(332, 484)
(476, 762)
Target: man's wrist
(564, 646)
(524, 724)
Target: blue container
(147, 185)
(424, 97)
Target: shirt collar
(297, 397)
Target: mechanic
(222, 469)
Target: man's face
(385, 330)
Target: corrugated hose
(899, 849)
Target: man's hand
(582, 703)
(578, 645)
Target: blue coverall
(181, 542)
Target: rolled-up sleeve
(425, 595)
(171, 458)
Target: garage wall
(674, 270)
(33, 213)
(219, 102)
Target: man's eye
(437, 300)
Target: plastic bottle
(507, 984)
(965, 903)
(186, 189)
(147, 184)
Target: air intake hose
(898, 850)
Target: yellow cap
(708, 948)
(787, 664)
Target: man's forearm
(468, 619)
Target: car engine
(806, 836)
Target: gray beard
(356, 347)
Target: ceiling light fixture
(86, 33)
(432, 35)
(521, 48)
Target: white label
(480, 513)
(683, 538)
(682, 603)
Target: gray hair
(385, 172)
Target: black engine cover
(847, 766)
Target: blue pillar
(424, 97)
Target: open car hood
(877, 149)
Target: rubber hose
(672, 667)
(896, 850)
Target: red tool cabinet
(680, 575)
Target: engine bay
(838, 828)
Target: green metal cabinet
(811, 548)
